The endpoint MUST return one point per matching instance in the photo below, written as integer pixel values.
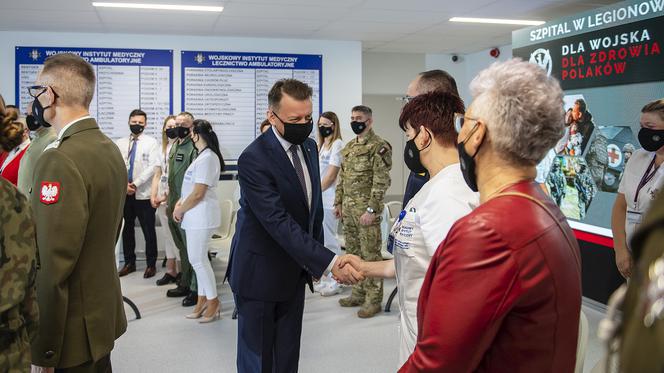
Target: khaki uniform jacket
(43, 137)
(364, 176)
(181, 156)
(18, 304)
(79, 189)
(642, 340)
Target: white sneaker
(331, 289)
(320, 285)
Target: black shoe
(179, 291)
(190, 300)
(167, 279)
(127, 269)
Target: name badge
(634, 217)
(179, 157)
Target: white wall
(342, 60)
(389, 73)
(467, 67)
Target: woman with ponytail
(198, 212)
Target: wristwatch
(370, 210)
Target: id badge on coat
(634, 217)
(395, 230)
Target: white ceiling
(411, 26)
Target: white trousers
(197, 249)
(165, 236)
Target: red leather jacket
(502, 293)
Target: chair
(581, 343)
(118, 246)
(222, 238)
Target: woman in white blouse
(159, 196)
(329, 159)
(642, 180)
(198, 212)
(429, 123)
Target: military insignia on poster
(50, 192)
(34, 54)
(542, 58)
(615, 155)
(200, 58)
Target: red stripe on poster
(594, 238)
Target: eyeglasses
(460, 119)
(405, 99)
(37, 90)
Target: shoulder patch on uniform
(50, 192)
(383, 149)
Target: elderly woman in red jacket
(503, 290)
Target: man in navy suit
(278, 244)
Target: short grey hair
(522, 107)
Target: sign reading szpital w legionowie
(620, 44)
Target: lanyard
(645, 179)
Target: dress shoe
(197, 314)
(127, 269)
(167, 279)
(149, 272)
(369, 310)
(179, 291)
(190, 300)
(351, 302)
(215, 316)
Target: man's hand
(347, 275)
(354, 261)
(131, 189)
(338, 213)
(624, 262)
(367, 218)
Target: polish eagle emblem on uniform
(50, 192)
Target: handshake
(349, 269)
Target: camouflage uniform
(363, 179)
(597, 158)
(18, 304)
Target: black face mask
(468, 164)
(38, 111)
(358, 127)
(172, 133)
(182, 132)
(136, 129)
(325, 131)
(411, 156)
(296, 133)
(31, 122)
(651, 140)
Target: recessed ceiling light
(198, 8)
(497, 21)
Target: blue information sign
(127, 79)
(230, 90)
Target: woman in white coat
(198, 212)
(329, 158)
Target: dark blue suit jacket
(278, 242)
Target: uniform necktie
(132, 155)
(298, 167)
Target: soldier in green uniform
(18, 305)
(43, 137)
(79, 186)
(363, 179)
(182, 154)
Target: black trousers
(269, 334)
(143, 210)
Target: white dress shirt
(13, 153)
(286, 145)
(146, 158)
